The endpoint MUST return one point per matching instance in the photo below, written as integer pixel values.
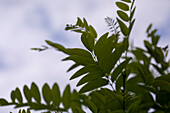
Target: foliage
(113, 77)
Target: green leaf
(80, 60)
(123, 27)
(67, 97)
(119, 82)
(155, 40)
(163, 97)
(93, 31)
(94, 72)
(18, 95)
(3, 102)
(13, 96)
(91, 106)
(27, 93)
(123, 15)
(46, 92)
(89, 77)
(56, 98)
(131, 26)
(128, 1)
(79, 110)
(79, 52)
(122, 6)
(119, 69)
(35, 92)
(79, 73)
(132, 13)
(93, 85)
(149, 27)
(164, 85)
(100, 97)
(72, 67)
(79, 22)
(164, 78)
(103, 50)
(55, 45)
(88, 41)
(86, 24)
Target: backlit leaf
(79, 110)
(86, 24)
(93, 85)
(35, 92)
(119, 69)
(18, 95)
(27, 93)
(93, 31)
(56, 98)
(123, 27)
(149, 27)
(3, 102)
(91, 106)
(46, 92)
(128, 1)
(123, 15)
(122, 6)
(66, 97)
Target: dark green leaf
(78, 51)
(148, 29)
(79, 73)
(79, 22)
(155, 40)
(119, 69)
(35, 92)
(132, 13)
(46, 92)
(123, 15)
(94, 72)
(88, 41)
(18, 95)
(119, 82)
(91, 106)
(131, 26)
(3, 102)
(78, 30)
(86, 24)
(93, 85)
(13, 96)
(55, 45)
(89, 77)
(67, 97)
(163, 97)
(93, 31)
(56, 94)
(128, 1)
(72, 67)
(123, 27)
(122, 6)
(27, 93)
(103, 50)
(164, 85)
(100, 97)
(79, 110)
(80, 60)
(148, 46)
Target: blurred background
(25, 24)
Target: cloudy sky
(27, 23)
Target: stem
(124, 87)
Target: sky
(25, 24)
